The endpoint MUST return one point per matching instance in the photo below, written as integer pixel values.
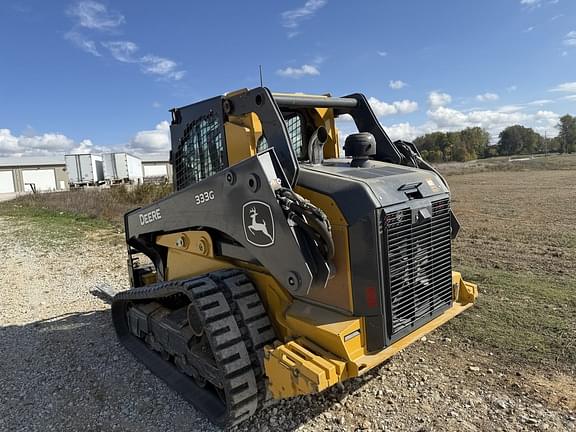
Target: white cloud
(437, 99)
(531, 3)
(123, 51)
(448, 117)
(540, 102)
(9, 144)
(304, 70)
(291, 19)
(382, 109)
(406, 106)
(94, 15)
(47, 144)
(319, 59)
(567, 87)
(162, 67)
(44, 144)
(570, 97)
(511, 88)
(486, 97)
(126, 52)
(546, 115)
(382, 53)
(84, 44)
(152, 141)
(529, 29)
(405, 131)
(505, 108)
(87, 146)
(494, 121)
(397, 84)
(445, 119)
(570, 39)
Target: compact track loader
(278, 268)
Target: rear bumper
(302, 367)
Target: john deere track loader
(277, 267)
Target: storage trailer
(122, 168)
(84, 170)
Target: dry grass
(538, 163)
(102, 204)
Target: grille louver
(419, 277)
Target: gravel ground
(62, 369)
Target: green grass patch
(49, 227)
(522, 317)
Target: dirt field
(519, 243)
(507, 364)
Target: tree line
(474, 143)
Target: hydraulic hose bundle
(310, 218)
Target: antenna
(261, 81)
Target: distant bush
(141, 194)
(107, 204)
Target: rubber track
(237, 328)
(252, 319)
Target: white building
(48, 173)
(157, 167)
(25, 174)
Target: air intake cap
(360, 146)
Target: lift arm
(237, 203)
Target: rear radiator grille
(419, 276)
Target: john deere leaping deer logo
(258, 223)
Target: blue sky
(93, 75)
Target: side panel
(110, 172)
(338, 290)
(240, 142)
(134, 168)
(122, 165)
(98, 168)
(73, 168)
(88, 168)
(155, 170)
